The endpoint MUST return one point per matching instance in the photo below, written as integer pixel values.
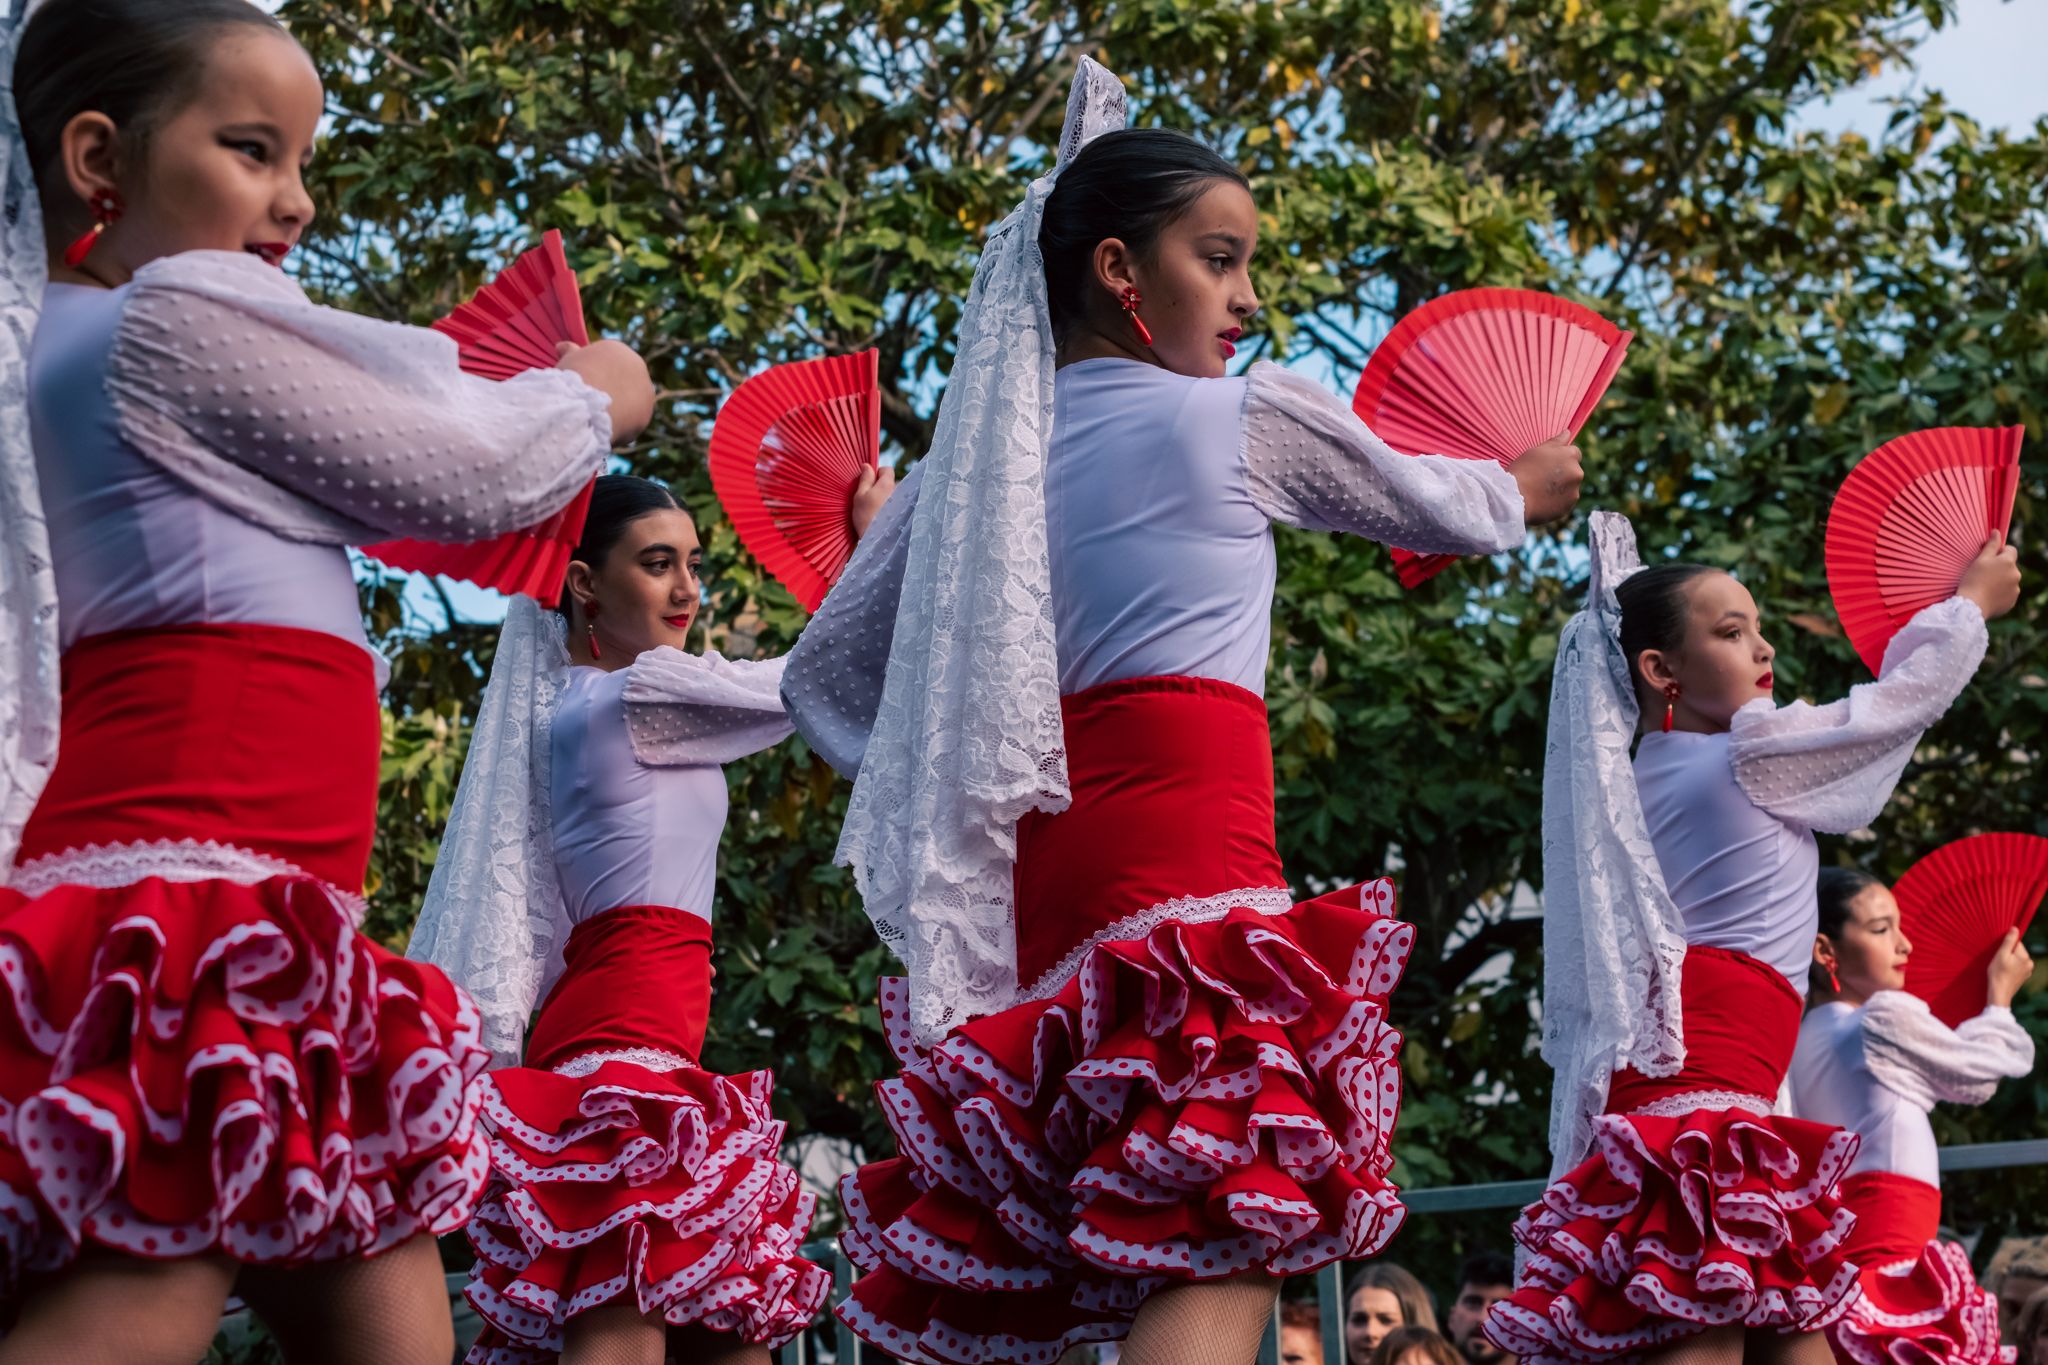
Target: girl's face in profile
(221, 172)
(1197, 282)
(1723, 664)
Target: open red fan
(1909, 519)
(509, 326)
(1956, 903)
(786, 451)
(1483, 374)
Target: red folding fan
(1909, 519)
(1483, 374)
(786, 452)
(1956, 903)
(509, 326)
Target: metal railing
(1503, 1194)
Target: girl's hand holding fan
(615, 370)
(1964, 907)
(2011, 966)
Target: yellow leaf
(1828, 406)
(1571, 11)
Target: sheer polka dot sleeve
(1311, 462)
(1923, 1061)
(326, 426)
(686, 709)
(1833, 767)
(834, 683)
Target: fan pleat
(1484, 374)
(1955, 905)
(509, 326)
(786, 453)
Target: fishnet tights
(391, 1308)
(108, 1309)
(1217, 1323)
(1735, 1345)
(619, 1334)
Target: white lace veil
(493, 918)
(28, 587)
(968, 738)
(1613, 943)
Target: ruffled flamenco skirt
(1921, 1301)
(1696, 1207)
(1199, 1084)
(198, 1051)
(623, 1172)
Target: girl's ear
(89, 149)
(1655, 666)
(580, 583)
(1111, 264)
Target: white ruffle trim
(107, 867)
(1266, 900)
(652, 1058)
(1678, 1106)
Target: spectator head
(2017, 1272)
(1301, 1333)
(1483, 1281)
(2030, 1330)
(1383, 1296)
(1414, 1346)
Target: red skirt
(1696, 1207)
(1200, 1082)
(623, 1171)
(198, 1052)
(1921, 1302)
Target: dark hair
(1402, 1340)
(135, 61)
(1132, 185)
(1301, 1313)
(616, 501)
(1484, 1269)
(1838, 888)
(1653, 610)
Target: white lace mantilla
(107, 867)
(1613, 941)
(653, 1058)
(968, 736)
(1678, 1106)
(1266, 900)
(28, 584)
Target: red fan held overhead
(511, 325)
(1956, 904)
(1908, 521)
(786, 452)
(1484, 374)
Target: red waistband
(635, 977)
(1741, 1024)
(263, 737)
(1173, 797)
(1896, 1217)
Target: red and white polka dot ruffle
(664, 1187)
(1203, 1100)
(195, 1066)
(1928, 1310)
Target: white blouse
(636, 796)
(1732, 815)
(1878, 1070)
(1160, 497)
(207, 439)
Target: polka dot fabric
(659, 1184)
(204, 1066)
(1926, 1309)
(1198, 1101)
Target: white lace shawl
(1613, 942)
(968, 736)
(28, 585)
(494, 918)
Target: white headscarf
(28, 585)
(1613, 942)
(968, 737)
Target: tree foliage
(743, 183)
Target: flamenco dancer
(209, 1080)
(1138, 1080)
(1874, 1060)
(638, 1204)
(1684, 1221)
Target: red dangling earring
(1834, 982)
(106, 210)
(590, 615)
(1670, 702)
(1131, 298)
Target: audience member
(1301, 1333)
(1383, 1297)
(1484, 1279)
(1414, 1346)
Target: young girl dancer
(632, 1191)
(1679, 914)
(1139, 1081)
(1874, 1060)
(208, 1079)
